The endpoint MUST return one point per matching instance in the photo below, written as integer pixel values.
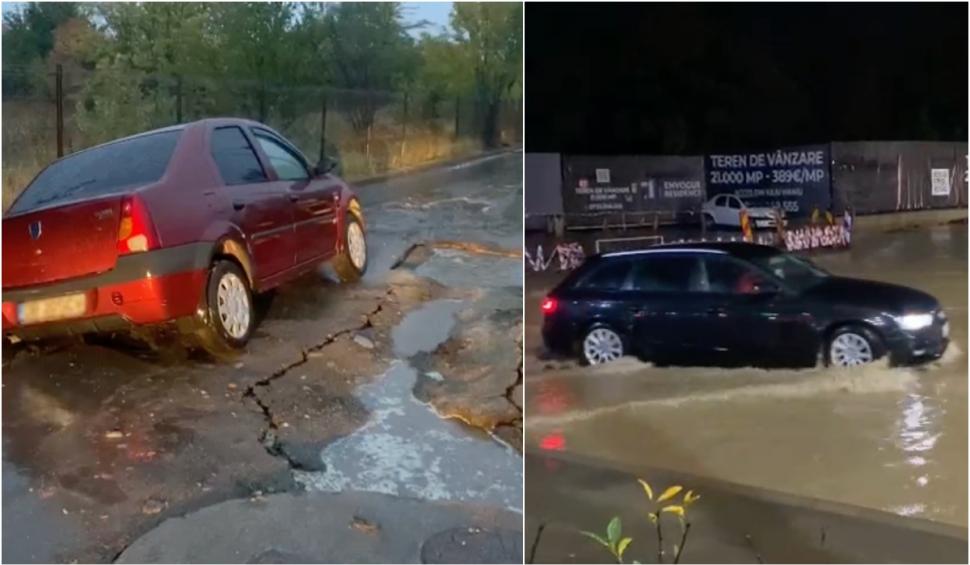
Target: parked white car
(725, 210)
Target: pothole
(406, 448)
(457, 268)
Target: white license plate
(946, 329)
(50, 309)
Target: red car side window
(235, 157)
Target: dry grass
(29, 144)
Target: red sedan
(173, 229)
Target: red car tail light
(549, 305)
(136, 233)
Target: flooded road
(893, 439)
(345, 389)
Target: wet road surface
(893, 439)
(104, 441)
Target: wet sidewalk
(729, 524)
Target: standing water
(893, 439)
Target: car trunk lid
(62, 242)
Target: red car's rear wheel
(229, 313)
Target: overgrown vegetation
(351, 80)
(664, 505)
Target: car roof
(734, 248)
(215, 122)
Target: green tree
(443, 74)
(369, 51)
(147, 50)
(259, 52)
(28, 37)
(491, 35)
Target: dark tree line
(695, 78)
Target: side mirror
(326, 165)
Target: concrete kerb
(732, 522)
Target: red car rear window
(100, 171)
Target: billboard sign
(613, 184)
(795, 179)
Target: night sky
(693, 78)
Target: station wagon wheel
(602, 345)
(852, 346)
(229, 314)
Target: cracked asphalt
(404, 387)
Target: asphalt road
(343, 389)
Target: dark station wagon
(736, 304)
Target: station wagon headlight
(914, 321)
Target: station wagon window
(235, 157)
(796, 272)
(610, 275)
(667, 273)
(288, 166)
(101, 171)
(728, 276)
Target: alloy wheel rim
(356, 245)
(602, 346)
(850, 350)
(232, 305)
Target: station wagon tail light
(549, 305)
(136, 233)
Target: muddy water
(894, 439)
(457, 269)
(479, 201)
(406, 449)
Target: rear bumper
(557, 336)
(764, 223)
(148, 288)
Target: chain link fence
(371, 133)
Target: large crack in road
(268, 436)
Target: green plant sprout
(662, 505)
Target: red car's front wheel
(351, 262)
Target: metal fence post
(404, 127)
(323, 125)
(457, 114)
(59, 101)
(178, 99)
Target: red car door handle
(294, 197)
(237, 205)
